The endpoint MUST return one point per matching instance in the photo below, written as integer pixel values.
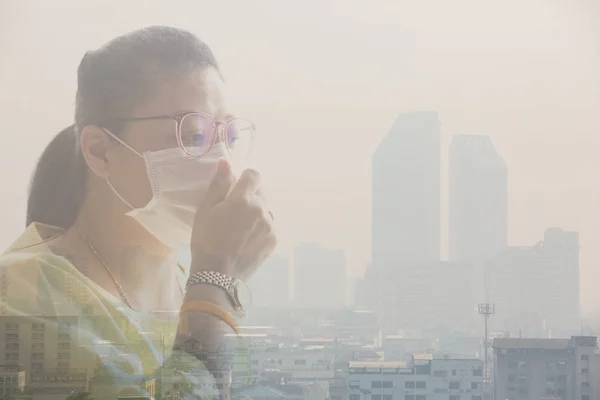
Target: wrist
(205, 262)
(210, 293)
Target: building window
(454, 385)
(12, 326)
(387, 397)
(375, 397)
(584, 357)
(420, 397)
(475, 397)
(11, 336)
(12, 346)
(584, 371)
(63, 364)
(64, 346)
(64, 325)
(474, 385)
(388, 384)
(478, 372)
(409, 397)
(64, 356)
(37, 356)
(299, 362)
(585, 384)
(38, 327)
(37, 366)
(454, 397)
(523, 390)
(355, 397)
(37, 346)
(453, 372)
(440, 374)
(421, 385)
(409, 385)
(11, 356)
(585, 397)
(375, 384)
(422, 370)
(37, 336)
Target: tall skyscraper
(406, 192)
(478, 199)
(319, 277)
(271, 284)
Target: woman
(143, 171)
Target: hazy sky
(324, 80)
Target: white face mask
(179, 183)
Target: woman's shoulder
(34, 277)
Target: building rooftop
(515, 343)
(378, 364)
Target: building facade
(558, 369)
(536, 289)
(406, 192)
(478, 199)
(422, 379)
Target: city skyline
(507, 74)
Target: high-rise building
(271, 284)
(478, 199)
(319, 277)
(434, 296)
(406, 192)
(536, 289)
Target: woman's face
(200, 91)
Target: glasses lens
(197, 134)
(240, 137)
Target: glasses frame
(220, 128)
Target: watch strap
(212, 278)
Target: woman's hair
(111, 82)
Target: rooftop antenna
(486, 310)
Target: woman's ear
(95, 144)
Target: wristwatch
(237, 291)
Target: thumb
(220, 186)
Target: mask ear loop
(107, 179)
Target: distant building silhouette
(478, 199)
(319, 277)
(406, 192)
(536, 289)
(271, 283)
(436, 296)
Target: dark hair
(58, 183)
(111, 82)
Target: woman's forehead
(202, 90)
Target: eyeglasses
(197, 132)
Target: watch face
(243, 295)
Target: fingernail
(222, 166)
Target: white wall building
(423, 379)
